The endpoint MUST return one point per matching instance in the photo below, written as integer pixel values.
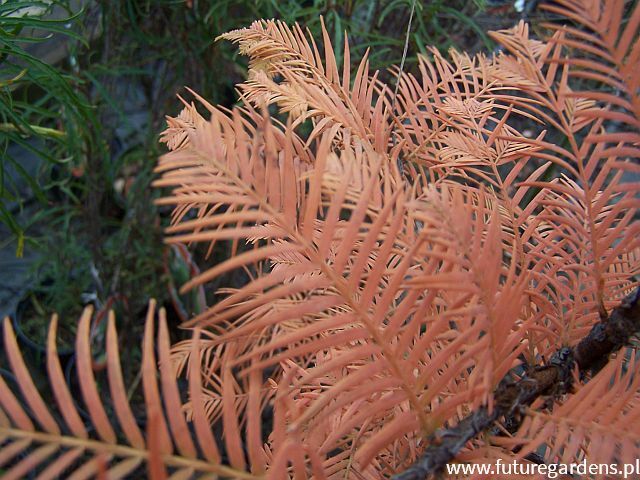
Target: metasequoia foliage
(427, 283)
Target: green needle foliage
(41, 110)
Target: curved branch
(591, 353)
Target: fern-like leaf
(55, 442)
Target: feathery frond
(82, 442)
(416, 277)
(599, 419)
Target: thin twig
(42, 131)
(404, 57)
(395, 91)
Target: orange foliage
(402, 263)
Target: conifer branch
(591, 353)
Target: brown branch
(510, 396)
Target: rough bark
(590, 354)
